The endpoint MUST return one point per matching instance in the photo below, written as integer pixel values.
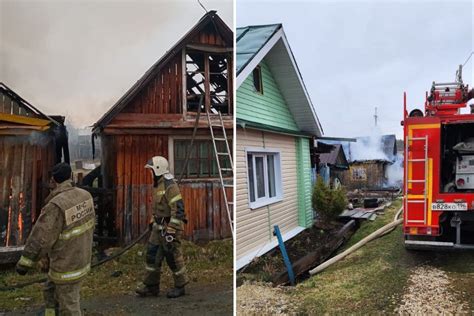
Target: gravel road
(429, 291)
(263, 299)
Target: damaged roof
(15, 109)
(209, 17)
(258, 42)
(383, 148)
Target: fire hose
(95, 264)
(378, 233)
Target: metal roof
(250, 40)
(258, 42)
(330, 158)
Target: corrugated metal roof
(250, 40)
(258, 42)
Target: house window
(257, 79)
(202, 160)
(207, 82)
(264, 178)
(358, 174)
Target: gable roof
(210, 17)
(331, 158)
(258, 42)
(376, 148)
(28, 115)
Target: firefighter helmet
(159, 165)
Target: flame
(20, 219)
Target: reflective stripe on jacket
(64, 232)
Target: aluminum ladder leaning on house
(225, 154)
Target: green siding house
(276, 123)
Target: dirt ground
(264, 268)
(199, 300)
(109, 288)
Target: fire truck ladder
(224, 154)
(412, 160)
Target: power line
(202, 6)
(470, 55)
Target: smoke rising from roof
(77, 58)
(369, 148)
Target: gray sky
(355, 56)
(76, 58)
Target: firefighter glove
(21, 270)
(24, 265)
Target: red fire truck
(439, 169)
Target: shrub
(328, 203)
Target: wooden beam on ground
(318, 256)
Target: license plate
(449, 206)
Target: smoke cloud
(369, 148)
(76, 58)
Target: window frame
(266, 200)
(171, 153)
(207, 81)
(260, 81)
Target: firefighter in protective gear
(63, 233)
(166, 231)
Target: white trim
(298, 74)
(255, 61)
(240, 263)
(247, 70)
(263, 152)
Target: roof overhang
(277, 53)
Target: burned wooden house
(369, 160)
(30, 144)
(156, 116)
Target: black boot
(175, 292)
(146, 290)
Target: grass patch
(371, 280)
(208, 264)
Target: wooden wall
(163, 94)
(124, 159)
(25, 163)
(139, 132)
(375, 176)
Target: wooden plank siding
(254, 226)
(138, 127)
(133, 187)
(25, 164)
(269, 108)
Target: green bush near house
(329, 203)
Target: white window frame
(264, 152)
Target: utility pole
(376, 116)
